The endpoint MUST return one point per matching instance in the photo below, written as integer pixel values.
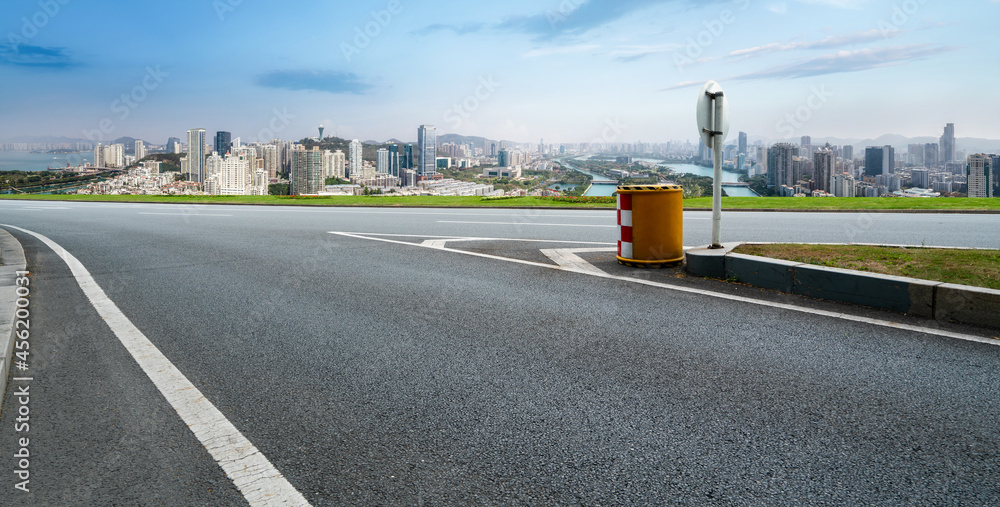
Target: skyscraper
(979, 173)
(823, 165)
(880, 160)
(173, 145)
(140, 150)
(355, 166)
(408, 156)
(805, 147)
(307, 171)
(779, 165)
(320, 133)
(382, 161)
(743, 143)
(99, 155)
(196, 155)
(223, 141)
(848, 152)
(426, 151)
(947, 142)
(394, 160)
(996, 174)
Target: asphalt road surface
(438, 356)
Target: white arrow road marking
(251, 472)
(567, 258)
(691, 290)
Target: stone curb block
(969, 305)
(922, 298)
(13, 261)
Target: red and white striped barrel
(625, 226)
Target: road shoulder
(11, 261)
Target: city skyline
(572, 71)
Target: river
(727, 176)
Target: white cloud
(560, 50)
(778, 8)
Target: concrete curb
(922, 298)
(12, 256)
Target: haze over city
(515, 70)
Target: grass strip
(980, 268)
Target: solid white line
(251, 472)
(187, 214)
(718, 295)
(522, 223)
(466, 238)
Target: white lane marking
(482, 239)
(248, 468)
(567, 258)
(193, 214)
(718, 295)
(523, 223)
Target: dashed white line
(250, 471)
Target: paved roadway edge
(11, 261)
(250, 471)
(691, 290)
(929, 299)
(583, 208)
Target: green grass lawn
(980, 268)
(782, 203)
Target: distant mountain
(459, 139)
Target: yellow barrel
(650, 225)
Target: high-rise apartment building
(426, 151)
(223, 142)
(268, 153)
(979, 174)
(823, 169)
(780, 169)
(382, 161)
(742, 143)
(307, 171)
(947, 143)
(880, 160)
(140, 150)
(354, 158)
(196, 155)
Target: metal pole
(717, 166)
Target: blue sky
(562, 70)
